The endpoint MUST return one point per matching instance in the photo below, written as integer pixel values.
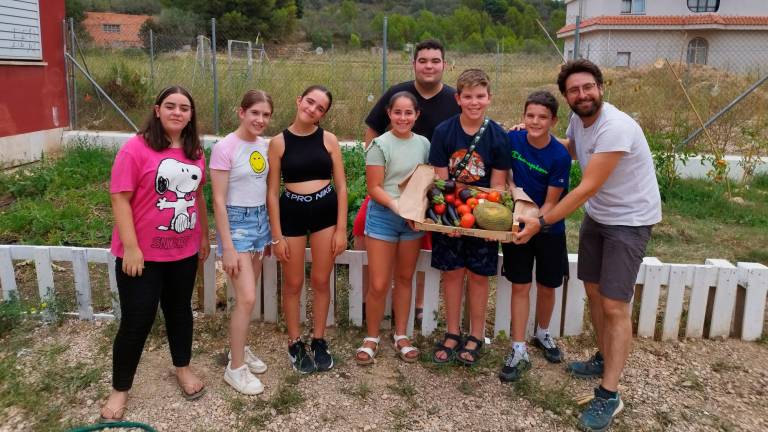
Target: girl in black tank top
(304, 155)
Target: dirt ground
(692, 385)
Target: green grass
(360, 390)
(554, 398)
(61, 386)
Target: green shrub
(11, 314)
(127, 87)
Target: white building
(726, 34)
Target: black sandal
(474, 352)
(450, 351)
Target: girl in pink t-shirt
(160, 234)
(239, 178)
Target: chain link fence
(640, 79)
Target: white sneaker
(242, 380)
(254, 363)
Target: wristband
(274, 242)
(544, 226)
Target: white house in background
(726, 34)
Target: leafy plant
(126, 86)
(11, 314)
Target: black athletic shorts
(547, 250)
(302, 214)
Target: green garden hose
(115, 425)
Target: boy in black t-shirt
(473, 257)
(436, 100)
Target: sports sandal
(450, 351)
(403, 351)
(113, 418)
(474, 352)
(368, 351)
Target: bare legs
(545, 302)
(383, 256)
(245, 298)
(613, 327)
(477, 301)
(293, 281)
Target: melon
(493, 216)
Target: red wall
(28, 94)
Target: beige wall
(593, 8)
(735, 51)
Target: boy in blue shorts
(541, 166)
(473, 150)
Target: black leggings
(168, 283)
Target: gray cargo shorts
(610, 255)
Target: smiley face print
(258, 163)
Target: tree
(497, 9)
(274, 19)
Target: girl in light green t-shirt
(391, 241)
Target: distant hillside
(465, 25)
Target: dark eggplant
(453, 215)
(433, 192)
(447, 186)
(466, 194)
(447, 220)
(434, 216)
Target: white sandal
(402, 352)
(370, 352)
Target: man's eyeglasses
(586, 88)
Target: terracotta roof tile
(669, 20)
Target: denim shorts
(381, 223)
(249, 228)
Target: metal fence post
(498, 64)
(67, 68)
(151, 61)
(215, 79)
(73, 125)
(384, 59)
(576, 35)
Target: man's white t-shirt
(247, 164)
(630, 196)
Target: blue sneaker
(592, 368)
(599, 414)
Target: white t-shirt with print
(630, 196)
(247, 164)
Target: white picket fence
(722, 299)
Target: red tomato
(467, 220)
(450, 199)
(472, 202)
(439, 208)
(494, 196)
(481, 195)
(464, 209)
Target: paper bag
(413, 192)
